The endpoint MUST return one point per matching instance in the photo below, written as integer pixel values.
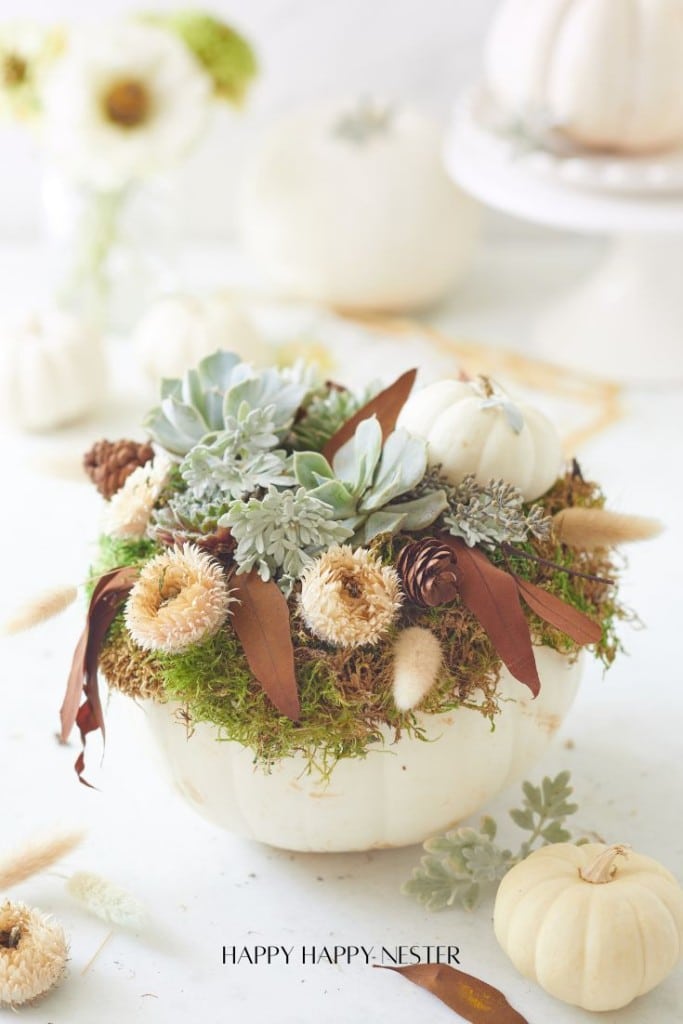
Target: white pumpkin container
(473, 427)
(606, 72)
(400, 794)
(52, 371)
(178, 331)
(354, 208)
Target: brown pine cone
(110, 463)
(428, 572)
(220, 543)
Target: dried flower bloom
(180, 597)
(128, 512)
(33, 954)
(348, 597)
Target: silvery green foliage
(325, 413)
(279, 533)
(492, 514)
(184, 512)
(366, 477)
(240, 460)
(198, 408)
(464, 861)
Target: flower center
(14, 70)
(10, 939)
(127, 103)
(351, 586)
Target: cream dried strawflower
(33, 954)
(348, 598)
(127, 513)
(180, 597)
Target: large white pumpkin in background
(52, 371)
(354, 208)
(609, 73)
(469, 430)
(178, 331)
(399, 794)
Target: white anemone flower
(125, 101)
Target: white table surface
(204, 888)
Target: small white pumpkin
(589, 930)
(400, 794)
(179, 330)
(52, 371)
(474, 427)
(606, 72)
(353, 207)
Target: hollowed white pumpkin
(607, 72)
(401, 793)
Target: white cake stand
(626, 320)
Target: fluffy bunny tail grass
(417, 660)
(36, 857)
(43, 607)
(590, 528)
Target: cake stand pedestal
(626, 320)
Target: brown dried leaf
(492, 596)
(261, 621)
(475, 1000)
(575, 624)
(111, 590)
(385, 406)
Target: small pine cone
(220, 543)
(428, 573)
(110, 463)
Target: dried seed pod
(110, 463)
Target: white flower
(126, 100)
(128, 511)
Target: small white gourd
(472, 427)
(595, 926)
(606, 72)
(52, 371)
(180, 330)
(351, 206)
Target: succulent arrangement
(292, 566)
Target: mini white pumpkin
(591, 931)
(52, 371)
(354, 208)
(606, 72)
(399, 794)
(180, 330)
(474, 427)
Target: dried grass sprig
(39, 609)
(592, 528)
(106, 900)
(417, 660)
(36, 857)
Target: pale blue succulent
(207, 401)
(365, 479)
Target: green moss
(113, 552)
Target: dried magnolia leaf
(105, 900)
(474, 999)
(590, 528)
(492, 596)
(575, 624)
(385, 406)
(111, 590)
(43, 607)
(36, 857)
(261, 621)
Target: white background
(420, 50)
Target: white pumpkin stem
(603, 868)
